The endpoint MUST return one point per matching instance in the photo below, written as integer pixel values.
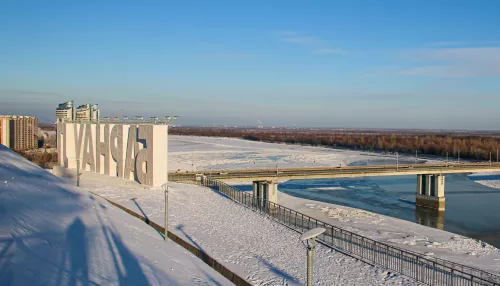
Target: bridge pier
(430, 191)
(266, 191)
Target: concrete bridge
(430, 177)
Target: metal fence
(428, 270)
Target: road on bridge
(343, 172)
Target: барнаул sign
(134, 152)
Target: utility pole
(397, 161)
(416, 156)
(458, 159)
(497, 155)
(490, 158)
(446, 158)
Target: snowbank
(52, 233)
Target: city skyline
(355, 64)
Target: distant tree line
(467, 146)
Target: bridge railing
(428, 270)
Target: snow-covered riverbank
(187, 152)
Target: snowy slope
(256, 248)
(54, 234)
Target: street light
(308, 238)
(165, 189)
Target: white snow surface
(258, 249)
(491, 180)
(203, 153)
(52, 233)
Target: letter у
(78, 141)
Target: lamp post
(165, 189)
(308, 238)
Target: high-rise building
(18, 132)
(65, 112)
(87, 112)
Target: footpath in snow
(256, 248)
(52, 233)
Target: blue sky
(392, 64)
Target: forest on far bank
(467, 146)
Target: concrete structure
(18, 132)
(130, 151)
(430, 191)
(65, 112)
(266, 191)
(430, 177)
(87, 112)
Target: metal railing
(428, 270)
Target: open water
(472, 209)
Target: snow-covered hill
(52, 233)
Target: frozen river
(472, 208)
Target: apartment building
(87, 112)
(18, 132)
(65, 112)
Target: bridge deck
(345, 172)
